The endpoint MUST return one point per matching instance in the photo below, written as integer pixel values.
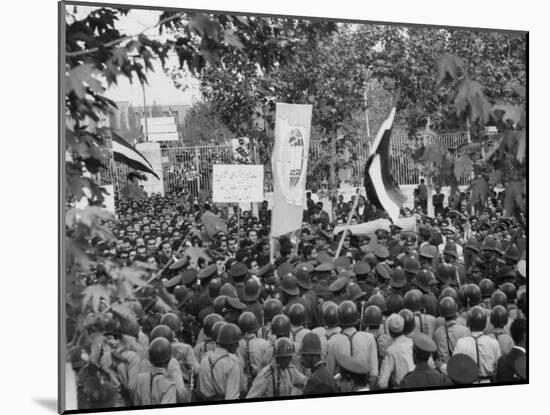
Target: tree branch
(122, 39)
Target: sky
(160, 88)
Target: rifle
(361, 318)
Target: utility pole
(145, 112)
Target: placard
(235, 183)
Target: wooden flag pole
(238, 227)
(348, 222)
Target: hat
(252, 290)
(266, 270)
(361, 268)
(395, 228)
(324, 267)
(424, 343)
(380, 251)
(383, 270)
(355, 292)
(338, 285)
(172, 282)
(323, 257)
(451, 229)
(238, 269)
(472, 244)
(450, 249)
(289, 286)
(412, 265)
(512, 253)
(189, 276)
(398, 278)
(491, 244)
(423, 280)
(342, 262)
(428, 251)
(352, 364)
(180, 263)
(302, 277)
(234, 303)
(284, 268)
(506, 271)
(396, 323)
(462, 369)
(444, 273)
(208, 272)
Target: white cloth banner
(236, 183)
(408, 225)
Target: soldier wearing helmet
(352, 342)
(255, 353)
(330, 327)
(373, 321)
(320, 380)
(280, 378)
(447, 334)
(208, 344)
(297, 316)
(271, 308)
(424, 323)
(483, 349)
(155, 386)
(280, 326)
(499, 319)
(220, 373)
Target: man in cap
(280, 378)
(462, 370)
(155, 387)
(220, 374)
(320, 381)
(382, 236)
(290, 294)
(255, 353)
(399, 360)
(232, 308)
(483, 349)
(423, 376)
(353, 375)
(323, 274)
(237, 275)
(352, 342)
(205, 277)
(307, 294)
(339, 290)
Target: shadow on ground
(47, 403)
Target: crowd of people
(230, 314)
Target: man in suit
(506, 365)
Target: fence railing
(191, 167)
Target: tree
(100, 290)
(203, 125)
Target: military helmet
(272, 307)
(311, 344)
(283, 348)
(248, 322)
(470, 295)
(487, 287)
(330, 314)
(280, 325)
(219, 304)
(477, 318)
(208, 323)
(171, 320)
(408, 318)
(229, 334)
(510, 291)
(297, 314)
(160, 351)
(498, 298)
(413, 300)
(372, 316)
(395, 304)
(499, 316)
(162, 330)
(447, 307)
(449, 292)
(347, 313)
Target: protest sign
(408, 225)
(235, 183)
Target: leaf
(124, 312)
(93, 295)
(471, 101)
(449, 65)
(194, 253)
(433, 153)
(231, 39)
(90, 215)
(82, 76)
(132, 275)
(463, 166)
(507, 113)
(203, 26)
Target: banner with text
(289, 164)
(236, 183)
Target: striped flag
(123, 152)
(382, 189)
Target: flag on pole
(382, 189)
(123, 152)
(213, 224)
(289, 166)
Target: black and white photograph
(261, 207)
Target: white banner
(408, 225)
(236, 183)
